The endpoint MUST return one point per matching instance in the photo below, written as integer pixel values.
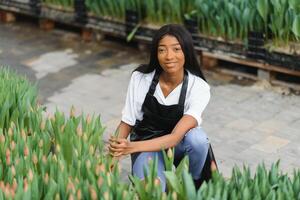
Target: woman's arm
(123, 130)
(124, 147)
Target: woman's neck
(173, 79)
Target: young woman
(164, 104)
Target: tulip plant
(226, 19)
(63, 157)
(62, 4)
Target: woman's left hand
(120, 146)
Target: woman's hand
(120, 146)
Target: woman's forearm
(123, 130)
(156, 144)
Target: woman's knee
(196, 138)
(142, 162)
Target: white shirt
(197, 97)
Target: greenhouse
(65, 66)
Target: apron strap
(184, 88)
(154, 82)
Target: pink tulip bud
(79, 131)
(170, 153)
(26, 151)
(100, 181)
(2, 185)
(8, 161)
(93, 193)
(88, 164)
(106, 195)
(46, 178)
(91, 150)
(2, 138)
(12, 145)
(34, 159)
(7, 153)
(44, 159)
(124, 194)
(156, 182)
(71, 197)
(70, 187)
(43, 125)
(41, 143)
(78, 194)
(25, 185)
(88, 119)
(23, 134)
(174, 195)
(13, 171)
(10, 132)
(72, 112)
(85, 137)
(30, 175)
(15, 184)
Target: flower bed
(62, 157)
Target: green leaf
(296, 26)
(173, 181)
(132, 33)
(263, 9)
(188, 185)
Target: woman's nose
(169, 54)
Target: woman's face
(170, 55)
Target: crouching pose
(164, 104)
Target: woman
(164, 104)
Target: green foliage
(107, 8)
(62, 4)
(228, 19)
(62, 157)
(17, 99)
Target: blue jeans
(194, 144)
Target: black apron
(159, 120)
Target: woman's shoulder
(197, 81)
(140, 76)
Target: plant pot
(255, 52)
(284, 60)
(191, 25)
(131, 20)
(35, 6)
(256, 35)
(80, 11)
(256, 39)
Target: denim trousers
(194, 144)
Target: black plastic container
(255, 48)
(191, 25)
(131, 20)
(35, 6)
(80, 12)
(284, 60)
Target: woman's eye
(161, 50)
(177, 49)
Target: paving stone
(271, 144)
(52, 62)
(270, 126)
(240, 124)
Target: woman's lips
(170, 64)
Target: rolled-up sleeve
(128, 112)
(198, 100)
